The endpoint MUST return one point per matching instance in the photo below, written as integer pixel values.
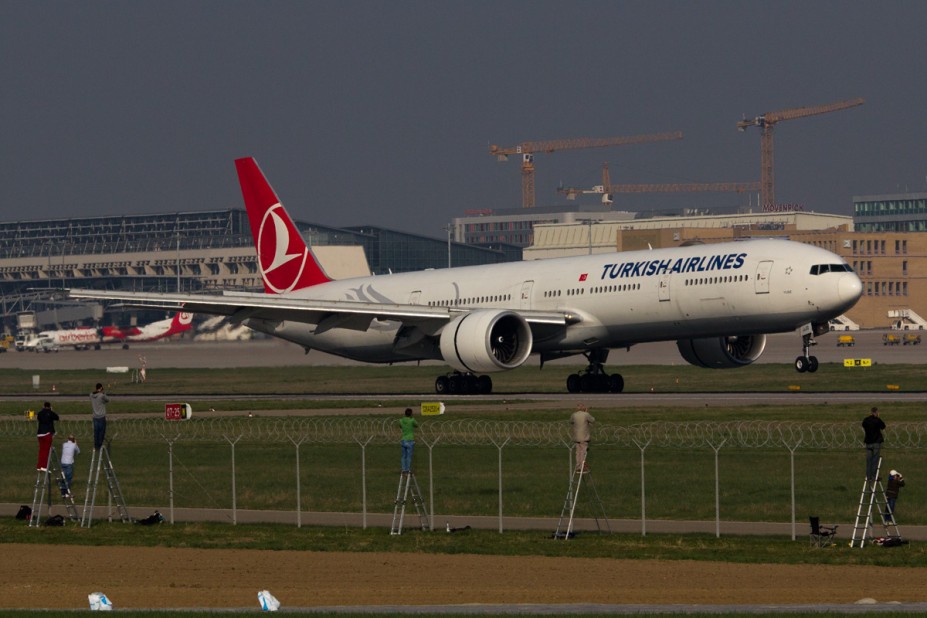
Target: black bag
(154, 518)
(25, 513)
(55, 520)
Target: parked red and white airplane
(718, 302)
(88, 337)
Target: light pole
(589, 223)
(449, 227)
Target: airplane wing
(325, 314)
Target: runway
(780, 349)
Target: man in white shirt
(581, 422)
(68, 450)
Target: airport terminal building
(190, 251)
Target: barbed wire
(477, 432)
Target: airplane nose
(849, 288)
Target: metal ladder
(872, 496)
(43, 483)
(572, 498)
(408, 488)
(101, 460)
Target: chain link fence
(696, 470)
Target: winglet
(286, 262)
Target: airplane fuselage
(616, 299)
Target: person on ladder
(98, 401)
(873, 426)
(408, 425)
(45, 434)
(581, 422)
(68, 450)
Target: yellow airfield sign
(857, 362)
(433, 408)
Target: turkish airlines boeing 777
(718, 302)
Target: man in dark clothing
(873, 426)
(45, 435)
(895, 483)
(98, 401)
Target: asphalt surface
(780, 348)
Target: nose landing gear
(806, 362)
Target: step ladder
(408, 490)
(872, 498)
(43, 481)
(100, 460)
(580, 475)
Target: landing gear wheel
(463, 384)
(812, 364)
(801, 364)
(573, 383)
(615, 383)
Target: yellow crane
(527, 150)
(606, 189)
(766, 122)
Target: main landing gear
(806, 362)
(594, 379)
(458, 383)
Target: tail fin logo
(184, 318)
(275, 238)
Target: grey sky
(382, 112)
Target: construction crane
(766, 122)
(527, 151)
(606, 189)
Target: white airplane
(718, 302)
(89, 337)
(180, 322)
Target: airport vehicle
(910, 339)
(88, 337)
(45, 344)
(846, 341)
(890, 339)
(718, 302)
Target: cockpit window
(820, 269)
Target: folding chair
(821, 536)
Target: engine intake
(722, 352)
(487, 340)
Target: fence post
(643, 488)
(500, 447)
(363, 446)
(792, 450)
(299, 500)
(170, 475)
(431, 480)
(717, 449)
(234, 490)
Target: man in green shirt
(408, 426)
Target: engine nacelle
(487, 340)
(722, 352)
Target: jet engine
(722, 352)
(486, 340)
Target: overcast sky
(381, 113)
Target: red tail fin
(286, 262)
(182, 322)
